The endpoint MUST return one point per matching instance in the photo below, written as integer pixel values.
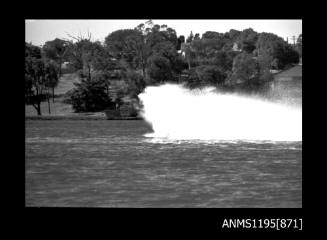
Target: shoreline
(58, 117)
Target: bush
(179, 64)
(159, 69)
(135, 82)
(90, 95)
(206, 75)
(211, 74)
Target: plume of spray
(177, 113)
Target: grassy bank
(59, 109)
(63, 111)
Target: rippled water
(112, 164)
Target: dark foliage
(90, 95)
(41, 75)
(131, 59)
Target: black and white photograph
(163, 113)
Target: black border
(192, 222)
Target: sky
(40, 31)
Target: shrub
(205, 75)
(159, 69)
(90, 95)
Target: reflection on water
(112, 164)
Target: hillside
(66, 83)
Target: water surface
(112, 164)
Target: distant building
(64, 65)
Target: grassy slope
(66, 83)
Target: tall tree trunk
(53, 96)
(48, 98)
(38, 109)
(187, 56)
(143, 70)
(89, 72)
(60, 60)
(38, 102)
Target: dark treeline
(118, 69)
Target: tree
(51, 80)
(56, 50)
(128, 87)
(211, 35)
(82, 54)
(90, 95)
(178, 65)
(139, 47)
(157, 34)
(247, 40)
(110, 76)
(165, 49)
(197, 36)
(245, 70)
(158, 40)
(136, 46)
(249, 72)
(211, 49)
(130, 46)
(299, 45)
(280, 52)
(234, 35)
(119, 44)
(159, 69)
(103, 60)
(222, 61)
(206, 75)
(34, 83)
(40, 76)
(188, 54)
(96, 66)
(190, 38)
(265, 64)
(181, 40)
(268, 42)
(211, 75)
(248, 46)
(135, 83)
(193, 80)
(286, 55)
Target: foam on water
(178, 113)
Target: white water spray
(180, 114)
